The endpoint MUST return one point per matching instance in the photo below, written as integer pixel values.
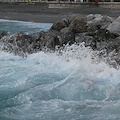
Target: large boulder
(59, 25)
(77, 24)
(115, 26)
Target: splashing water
(49, 86)
(71, 84)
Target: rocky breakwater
(101, 33)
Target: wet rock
(104, 35)
(65, 30)
(77, 24)
(114, 27)
(18, 43)
(79, 39)
(38, 35)
(3, 34)
(88, 40)
(48, 40)
(65, 38)
(59, 25)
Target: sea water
(71, 84)
(13, 26)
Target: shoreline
(43, 14)
(100, 33)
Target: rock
(96, 31)
(39, 40)
(106, 20)
(38, 35)
(88, 40)
(50, 39)
(79, 39)
(98, 16)
(109, 45)
(19, 43)
(104, 26)
(66, 21)
(89, 17)
(77, 24)
(52, 43)
(54, 38)
(101, 45)
(76, 16)
(114, 27)
(118, 19)
(104, 35)
(3, 34)
(65, 30)
(59, 25)
(91, 27)
(113, 45)
(97, 19)
(65, 38)
(98, 22)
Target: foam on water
(71, 84)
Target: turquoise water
(12, 26)
(52, 86)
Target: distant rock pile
(97, 31)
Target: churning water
(72, 84)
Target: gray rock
(68, 37)
(118, 19)
(66, 21)
(114, 27)
(18, 43)
(91, 27)
(98, 22)
(65, 30)
(3, 34)
(89, 17)
(77, 24)
(76, 16)
(79, 39)
(59, 25)
(49, 39)
(88, 40)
